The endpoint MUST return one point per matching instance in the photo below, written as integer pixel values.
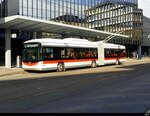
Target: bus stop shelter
(37, 25)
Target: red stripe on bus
(66, 61)
(30, 64)
(115, 58)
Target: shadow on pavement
(132, 69)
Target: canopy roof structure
(37, 25)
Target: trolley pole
(112, 36)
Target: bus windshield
(30, 53)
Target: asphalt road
(126, 90)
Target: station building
(22, 20)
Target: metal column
(149, 52)
(139, 57)
(8, 48)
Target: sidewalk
(12, 71)
(9, 71)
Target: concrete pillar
(8, 48)
(139, 56)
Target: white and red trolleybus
(59, 54)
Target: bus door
(101, 52)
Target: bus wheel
(118, 62)
(60, 67)
(93, 65)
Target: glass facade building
(71, 11)
(118, 17)
(67, 11)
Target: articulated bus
(59, 54)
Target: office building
(118, 17)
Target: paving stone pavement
(9, 71)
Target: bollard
(18, 62)
(139, 57)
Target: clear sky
(145, 5)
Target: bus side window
(74, 54)
(90, 54)
(123, 53)
(47, 53)
(116, 53)
(107, 53)
(94, 53)
(63, 53)
(69, 53)
(81, 53)
(57, 53)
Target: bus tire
(94, 65)
(61, 67)
(118, 62)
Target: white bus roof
(73, 42)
